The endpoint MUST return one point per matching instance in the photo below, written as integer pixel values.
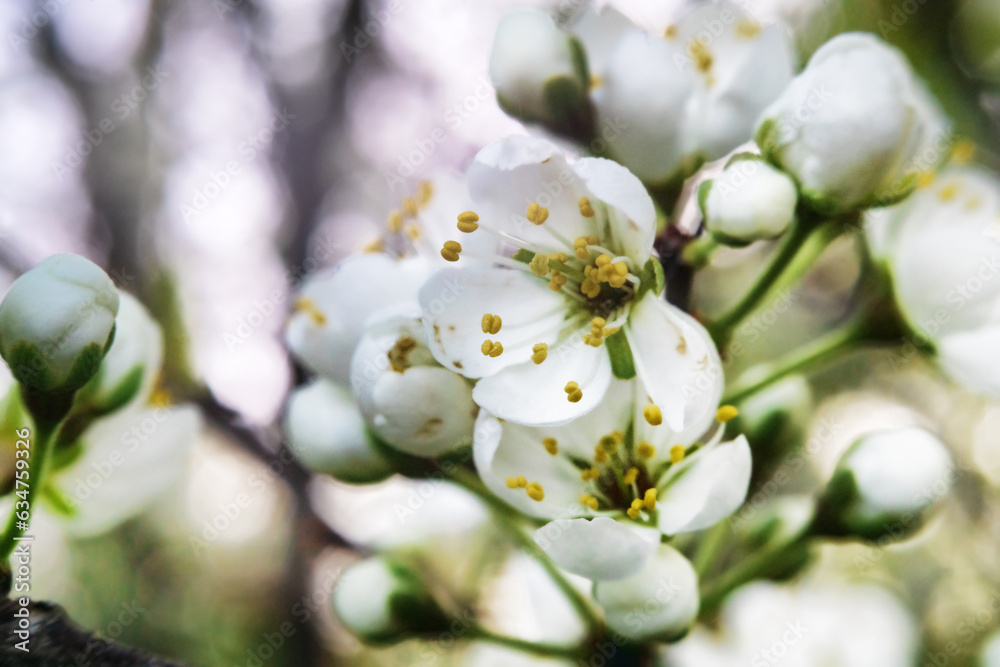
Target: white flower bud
(885, 483)
(130, 368)
(326, 432)
(56, 323)
(381, 601)
(540, 71)
(854, 127)
(407, 398)
(658, 604)
(750, 201)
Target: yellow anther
(586, 210)
(486, 347)
(702, 56)
(598, 323)
(948, 192)
(600, 455)
(602, 260)
(557, 281)
(491, 348)
(451, 250)
(410, 206)
(590, 289)
(610, 332)
(539, 265)
(491, 324)
(395, 222)
(571, 386)
(925, 179)
(551, 445)
(559, 257)
(590, 474)
(677, 453)
(536, 213)
(645, 450)
(589, 501)
(649, 500)
(522, 482)
(539, 352)
(497, 349)
(670, 32)
(726, 413)
(593, 341)
(425, 192)
(596, 81)
(609, 443)
(630, 475)
(535, 492)
(400, 352)
(747, 29)
(512, 483)
(308, 306)
(573, 392)
(619, 435)
(413, 231)
(632, 513)
(652, 415)
(378, 245)
(621, 268)
(468, 222)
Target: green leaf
(622, 363)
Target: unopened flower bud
(750, 201)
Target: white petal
(659, 602)
(601, 549)
(453, 302)
(346, 297)
(510, 174)
(503, 450)
(707, 490)
(535, 395)
(326, 432)
(971, 358)
(633, 218)
(677, 362)
(120, 473)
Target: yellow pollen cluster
(491, 348)
(410, 206)
(535, 491)
(747, 29)
(670, 32)
(611, 441)
(963, 152)
(948, 192)
(677, 453)
(551, 445)
(399, 353)
(652, 415)
(589, 501)
(597, 332)
(726, 413)
(395, 222)
(631, 475)
(645, 450)
(468, 222)
(539, 265)
(537, 214)
(590, 474)
(309, 307)
(649, 500)
(451, 250)
(586, 210)
(378, 245)
(518, 482)
(539, 352)
(702, 56)
(580, 246)
(603, 270)
(573, 392)
(600, 455)
(633, 511)
(491, 324)
(557, 281)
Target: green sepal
(620, 353)
(85, 366)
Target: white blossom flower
(856, 128)
(131, 366)
(693, 94)
(127, 461)
(658, 603)
(990, 654)
(409, 400)
(569, 296)
(540, 71)
(767, 624)
(941, 249)
(56, 322)
(327, 433)
(356, 327)
(381, 601)
(614, 480)
(886, 482)
(749, 201)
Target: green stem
(41, 441)
(802, 245)
(766, 374)
(756, 566)
(510, 522)
(698, 252)
(707, 548)
(534, 648)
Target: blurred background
(210, 154)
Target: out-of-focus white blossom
(855, 129)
